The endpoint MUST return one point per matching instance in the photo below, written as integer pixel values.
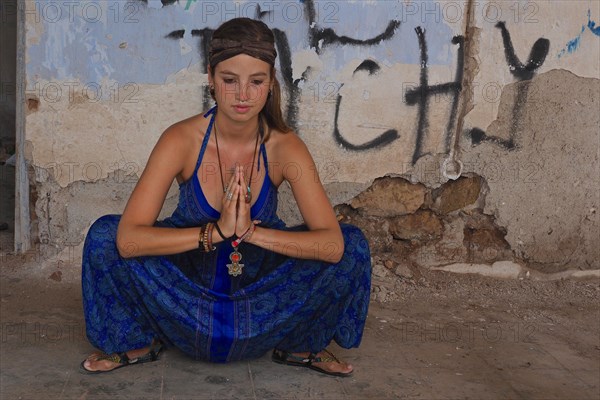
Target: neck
(232, 131)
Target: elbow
(338, 252)
(127, 250)
(336, 259)
(126, 247)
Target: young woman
(223, 278)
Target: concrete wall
(502, 93)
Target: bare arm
(323, 240)
(136, 235)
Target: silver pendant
(235, 268)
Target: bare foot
(97, 361)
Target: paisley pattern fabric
(189, 300)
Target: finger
(240, 180)
(231, 180)
(233, 195)
(228, 197)
(242, 195)
(241, 169)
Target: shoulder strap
(212, 112)
(263, 151)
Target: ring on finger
(229, 195)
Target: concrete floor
(416, 349)
(452, 339)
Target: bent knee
(104, 227)
(355, 242)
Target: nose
(243, 95)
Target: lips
(241, 108)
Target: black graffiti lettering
(422, 123)
(537, 56)
(178, 34)
(318, 38)
(287, 73)
(321, 37)
(368, 65)
(164, 2)
(205, 35)
(420, 95)
(262, 14)
(328, 36)
(524, 73)
(517, 112)
(384, 139)
(478, 136)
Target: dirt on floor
(472, 304)
(444, 335)
(504, 309)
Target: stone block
(484, 239)
(375, 229)
(455, 195)
(422, 225)
(448, 249)
(388, 197)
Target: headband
(222, 49)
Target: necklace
(235, 267)
(248, 196)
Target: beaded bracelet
(210, 227)
(245, 236)
(200, 235)
(205, 238)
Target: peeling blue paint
(188, 4)
(592, 25)
(574, 44)
(127, 43)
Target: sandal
(286, 358)
(123, 360)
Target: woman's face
(242, 84)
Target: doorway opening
(14, 178)
(8, 113)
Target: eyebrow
(234, 74)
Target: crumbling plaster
(87, 152)
(545, 190)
